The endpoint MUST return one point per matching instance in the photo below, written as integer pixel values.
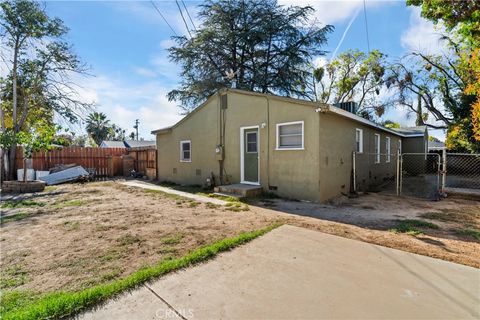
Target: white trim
(242, 148)
(377, 151)
(286, 124)
(181, 151)
(388, 148)
(360, 147)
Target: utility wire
(183, 18)
(189, 17)
(161, 15)
(366, 24)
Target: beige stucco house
(295, 148)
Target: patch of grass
(193, 204)
(473, 233)
(70, 203)
(14, 217)
(466, 215)
(15, 299)
(110, 255)
(173, 239)
(111, 275)
(210, 205)
(236, 207)
(129, 239)
(224, 198)
(166, 194)
(71, 225)
(410, 226)
(50, 188)
(12, 204)
(64, 304)
(13, 276)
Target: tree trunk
(11, 161)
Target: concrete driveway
(295, 273)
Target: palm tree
(98, 127)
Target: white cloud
(145, 72)
(123, 102)
(422, 35)
(336, 11)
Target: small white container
(30, 175)
(40, 174)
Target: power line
(161, 15)
(366, 24)
(189, 17)
(183, 18)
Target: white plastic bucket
(30, 175)
(40, 174)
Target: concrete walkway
(295, 273)
(151, 186)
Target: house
(128, 144)
(295, 148)
(112, 144)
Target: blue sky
(125, 43)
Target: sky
(125, 45)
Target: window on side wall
(185, 151)
(387, 149)
(377, 147)
(359, 140)
(290, 136)
(400, 146)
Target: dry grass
(77, 236)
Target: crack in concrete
(165, 301)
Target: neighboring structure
(436, 145)
(295, 148)
(112, 144)
(128, 144)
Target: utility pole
(136, 127)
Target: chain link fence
(424, 175)
(375, 172)
(463, 171)
(420, 175)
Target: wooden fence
(105, 161)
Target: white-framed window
(377, 147)
(400, 146)
(359, 140)
(185, 151)
(387, 149)
(290, 136)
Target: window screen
(185, 151)
(290, 135)
(251, 138)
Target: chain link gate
(420, 175)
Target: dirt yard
(75, 236)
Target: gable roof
(112, 144)
(127, 144)
(139, 143)
(319, 107)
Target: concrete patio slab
(151, 186)
(294, 273)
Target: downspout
(268, 142)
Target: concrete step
(240, 189)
